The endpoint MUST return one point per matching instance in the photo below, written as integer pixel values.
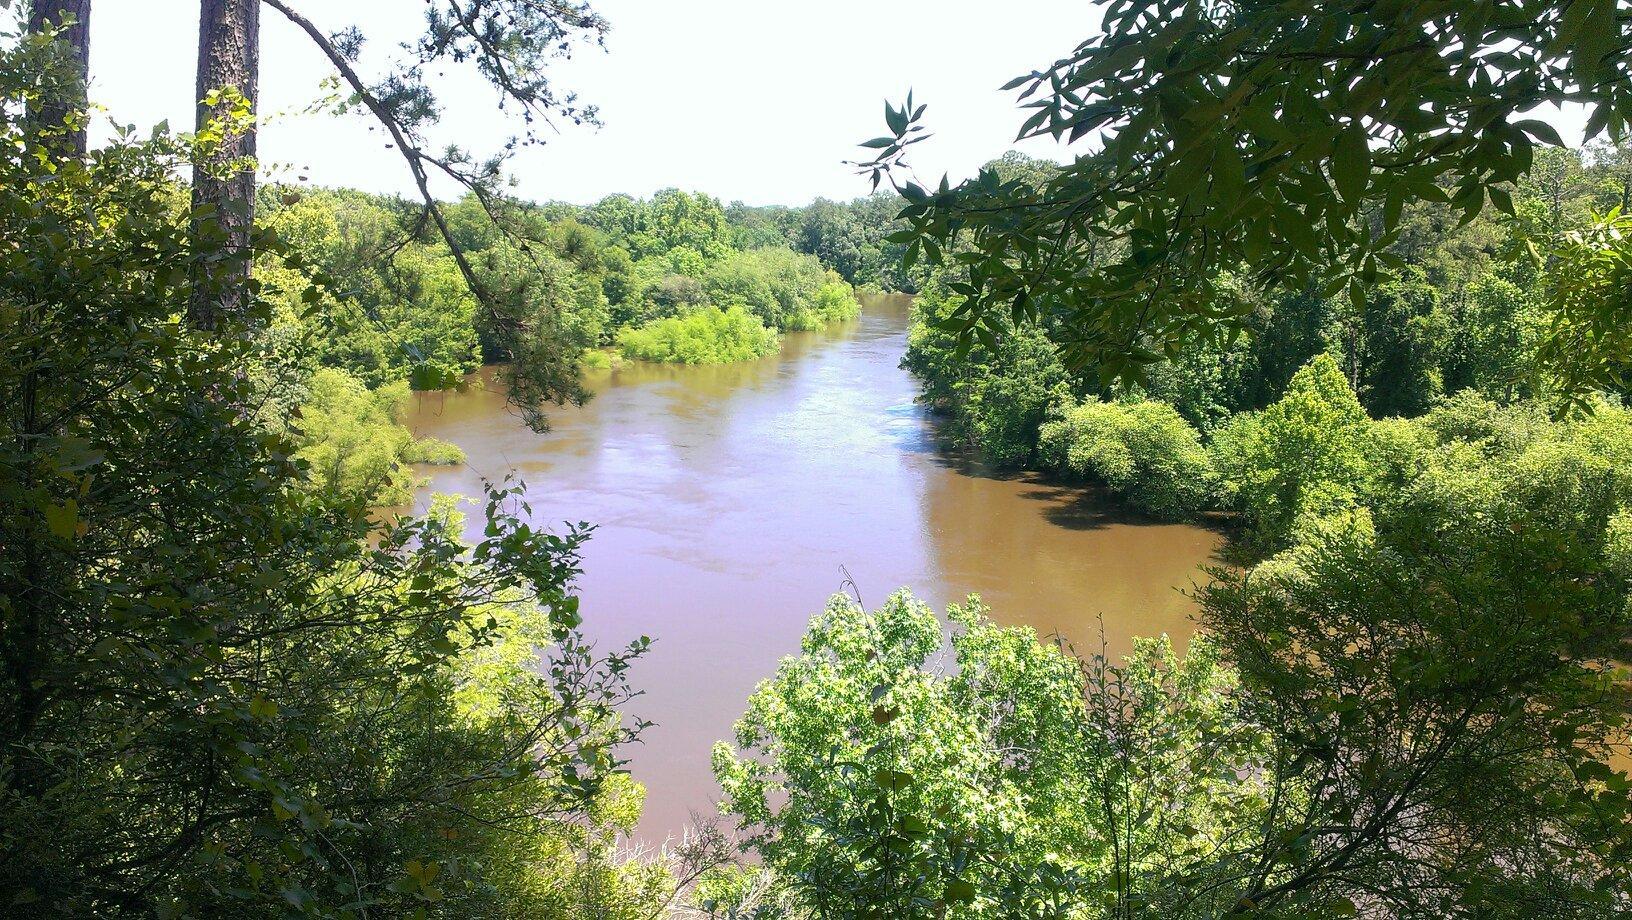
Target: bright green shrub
(1144, 451)
(434, 451)
(354, 443)
(876, 776)
(351, 438)
(595, 359)
(706, 336)
(836, 302)
(1302, 458)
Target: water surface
(732, 500)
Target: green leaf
(1541, 131)
(897, 120)
(1351, 163)
(63, 520)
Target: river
(731, 501)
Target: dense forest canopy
(1272, 299)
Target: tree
(1270, 138)
(509, 43)
(227, 83)
(1442, 714)
(1399, 355)
(1299, 460)
(1017, 782)
(70, 20)
(1588, 339)
(223, 691)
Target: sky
(759, 101)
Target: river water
(731, 501)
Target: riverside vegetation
(230, 689)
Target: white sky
(752, 100)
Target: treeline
(1467, 309)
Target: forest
(1316, 278)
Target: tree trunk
(48, 14)
(229, 33)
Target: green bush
(879, 776)
(354, 442)
(351, 439)
(1144, 451)
(434, 451)
(706, 336)
(1304, 457)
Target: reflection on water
(730, 501)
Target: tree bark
(48, 14)
(229, 34)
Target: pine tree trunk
(224, 199)
(47, 14)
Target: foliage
(434, 452)
(704, 336)
(995, 396)
(1588, 337)
(1442, 714)
(219, 698)
(786, 290)
(1016, 782)
(1398, 357)
(670, 220)
(1144, 451)
(1265, 137)
(1299, 460)
(353, 446)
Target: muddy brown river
(730, 501)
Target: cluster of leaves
(1268, 139)
(1588, 340)
(219, 696)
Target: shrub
(351, 438)
(879, 776)
(595, 359)
(706, 336)
(1144, 451)
(434, 451)
(1303, 457)
(995, 395)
